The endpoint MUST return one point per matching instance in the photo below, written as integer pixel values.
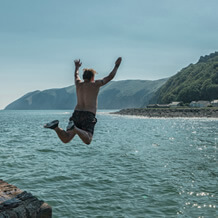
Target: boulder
(15, 203)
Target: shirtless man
(83, 120)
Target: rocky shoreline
(15, 203)
(170, 112)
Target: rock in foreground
(15, 203)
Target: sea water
(134, 167)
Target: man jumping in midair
(83, 120)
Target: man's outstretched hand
(77, 63)
(118, 61)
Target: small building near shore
(152, 106)
(158, 106)
(163, 106)
(214, 103)
(199, 104)
(175, 104)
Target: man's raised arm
(76, 74)
(111, 75)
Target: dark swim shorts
(84, 120)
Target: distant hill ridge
(195, 82)
(114, 95)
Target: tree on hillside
(195, 82)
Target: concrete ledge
(15, 203)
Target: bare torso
(87, 94)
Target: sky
(39, 40)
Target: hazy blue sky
(39, 39)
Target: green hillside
(128, 93)
(196, 82)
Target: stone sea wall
(15, 203)
(170, 112)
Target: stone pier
(15, 203)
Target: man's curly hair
(88, 73)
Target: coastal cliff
(170, 112)
(15, 203)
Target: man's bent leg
(64, 136)
(85, 136)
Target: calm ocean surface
(135, 167)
